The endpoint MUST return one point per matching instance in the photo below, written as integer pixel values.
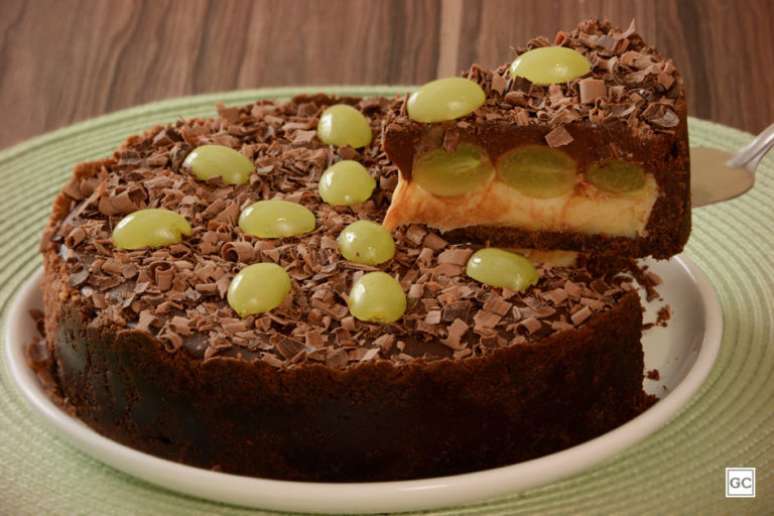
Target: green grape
(209, 161)
(276, 219)
(550, 65)
(445, 99)
(499, 268)
(346, 183)
(153, 227)
(342, 124)
(377, 297)
(616, 176)
(258, 288)
(538, 171)
(366, 242)
(447, 174)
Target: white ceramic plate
(683, 353)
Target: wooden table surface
(62, 61)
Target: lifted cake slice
(582, 146)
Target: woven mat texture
(677, 470)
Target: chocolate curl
(591, 90)
(336, 358)
(206, 288)
(146, 319)
(171, 340)
(163, 274)
(75, 237)
(531, 325)
(456, 331)
(455, 256)
(497, 305)
(661, 115)
(125, 200)
(73, 188)
(237, 252)
(112, 267)
(222, 283)
(581, 315)
(289, 348)
(370, 355)
(558, 137)
(556, 296)
(385, 342)
(485, 320)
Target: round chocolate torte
(147, 351)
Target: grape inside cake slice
(579, 144)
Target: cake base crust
(372, 422)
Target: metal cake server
(718, 176)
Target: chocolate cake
(148, 352)
(147, 349)
(629, 110)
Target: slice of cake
(579, 144)
(182, 322)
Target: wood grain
(63, 61)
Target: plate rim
(389, 496)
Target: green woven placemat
(679, 469)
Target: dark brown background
(66, 60)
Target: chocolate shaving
(455, 256)
(531, 325)
(591, 90)
(558, 137)
(385, 342)
(242, 252)
(289, 348)
(661, 116)
(163, 276)
(78, 278)
(304, 137)
(434, 242)
(455, 332)
(75, 237)
(229, 114)
(484, 319)
(433, 317)
(581, 315)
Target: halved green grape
(258, 288)
(342, 124)
(377, 297)
(366, 242)
(276, 219)
(346, 183)
(499, 268)
(538, 171)
(209, 161)
(448, 174)
(152, 227)
(550, 65)
(616, 176)
(445, 99)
